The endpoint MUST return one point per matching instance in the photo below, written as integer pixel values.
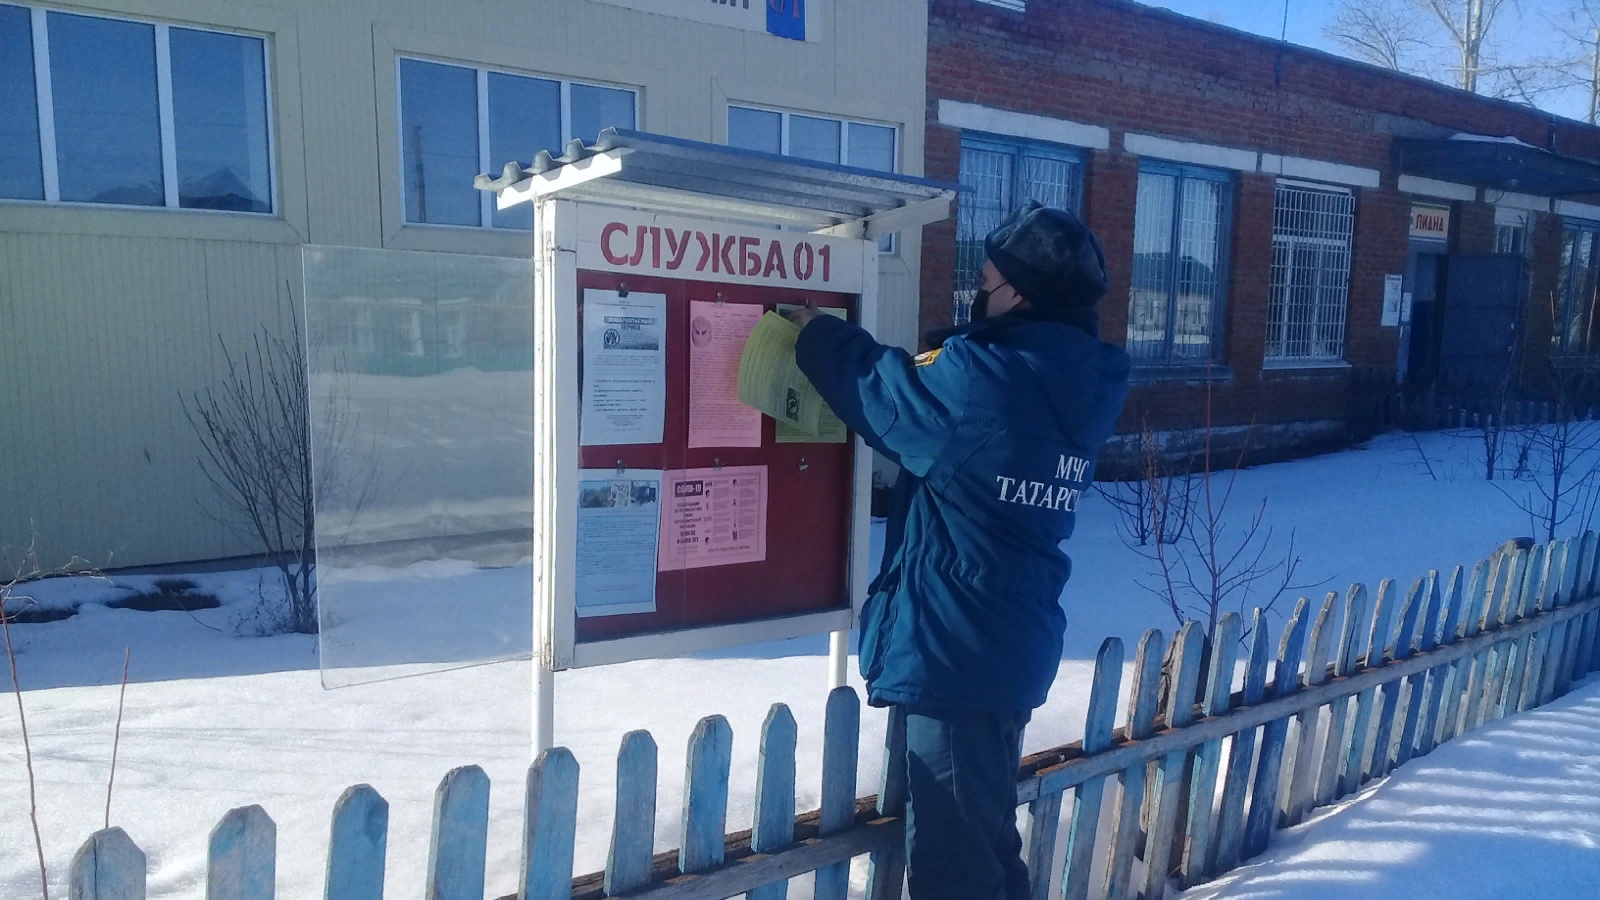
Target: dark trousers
(961, 815)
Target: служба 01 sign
(780, 18)
(619, 240)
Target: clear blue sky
(1307, 17)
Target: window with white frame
(1311, 239)
(97, 109)
(861, 145)
(1577, 304)
(457, 121)
(1510, 231)
(997, 176)
(1181, 220)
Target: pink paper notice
(713, 517)
(717, 335)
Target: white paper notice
(619, 520)
(712, 517)
(717, 334)
(624, 368)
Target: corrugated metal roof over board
(639, 169)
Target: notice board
(760, 528)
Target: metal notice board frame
(604, 208)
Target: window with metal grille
(1575, 319)
(997, 176)
(1180, 229)
(1311, 237)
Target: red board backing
(809, 488)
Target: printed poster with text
(624, 368)
(717, 335)
(713, 517)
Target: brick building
(1277, 221)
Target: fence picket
(549, 826)
(1416, 685)
(840, 750)
(109, 866)
(242, 856)
(1043, 826)
(1547, 645)
(1567, 663)
(1383, 725)
(1198, 837)
(1144, 699)
(886, 869)
(1302, 775)
(1097, 732)
(773, 828)
(1509, 692)
(705, 800)
(1333, 751)
(1558, 662)
(458, 853)
(1167, 788)
(1503, 568)
(633, 828)
(1275, 734)
(1442, 677)
(1361, 727)
(357, 845)
(1241, 755)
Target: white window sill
(1293, 365)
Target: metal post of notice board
(641, 219)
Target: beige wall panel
(111, 314)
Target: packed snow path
(1510, 810)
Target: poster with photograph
(619, 520)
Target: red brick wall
(1127, 67)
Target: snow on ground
(216, 720)
(1509, 810)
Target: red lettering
(774, 261)
(804, 261)
(655, 247)
(827, 254)
(749, 259)
(616, 259)
(705, 252)
(638, 250)
(727, 255)
(677, 248)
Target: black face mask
(980, 305)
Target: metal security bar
(1311, 237)
(996, 178)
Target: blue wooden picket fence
(1194, 782)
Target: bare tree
(1380, 32)
(1559, 464)
(255, 431)
(1158, 505)
(1448, 41)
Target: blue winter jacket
(997, 433)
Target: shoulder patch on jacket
(926, 359)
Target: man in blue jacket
(996, 432)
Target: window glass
(21, 174)
(814, 139)
(1576, 307)
(439, 142)
(524, 118)
(1198, 280)
(595, 109)
(755, 129)
(871, 147)
(1152, 266)
(107, 118)
(219, 112)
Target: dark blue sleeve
(904, 410)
